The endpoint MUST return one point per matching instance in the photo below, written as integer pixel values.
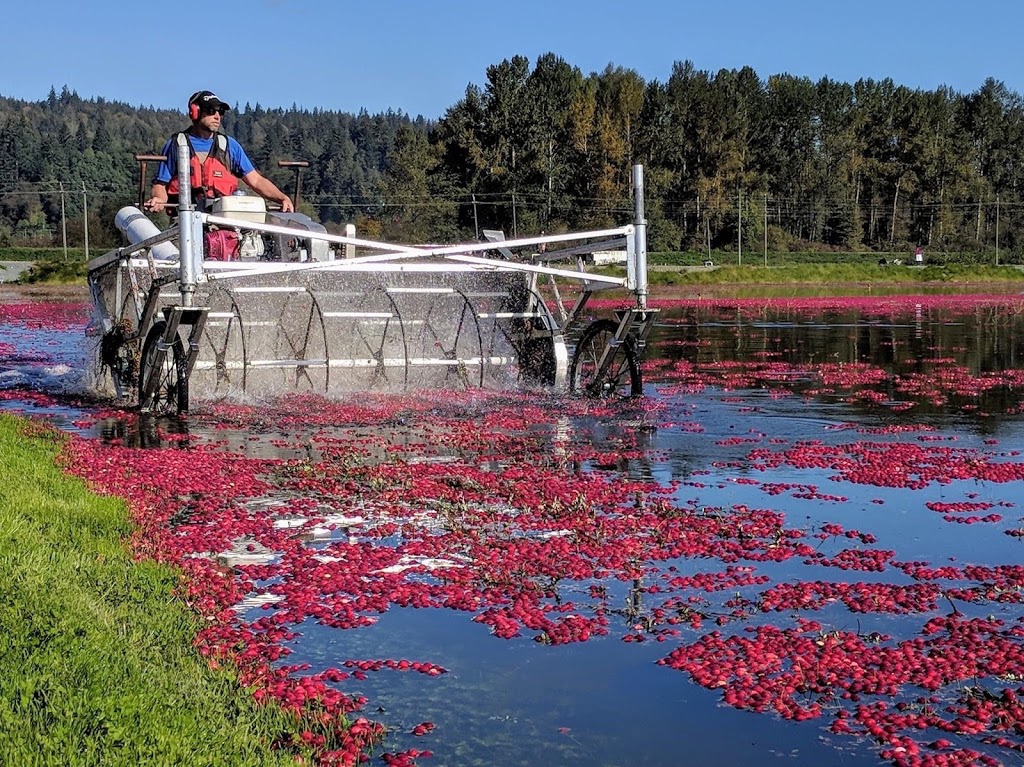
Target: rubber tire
(538, 363)
(171, 396)
(622, 378)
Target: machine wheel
(529, 339)
(451, 332)
(302, 335)
(538, 363)
(383, 340)
(170, 396)
(621, 377)
(224, 342)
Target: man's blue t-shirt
(240, 163)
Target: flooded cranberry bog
(803, 543)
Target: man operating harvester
(218, 161)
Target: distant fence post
(739, 222)
(63, 222)
(85, 218)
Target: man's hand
(157, 198)
(286, 205)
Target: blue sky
(418, 56)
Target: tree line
(787, 161)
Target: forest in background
(791, 163)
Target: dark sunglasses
(215, 111)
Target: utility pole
(515, 228)
(997, 230)
(739, 221)
(476, 223)
(63, 222)
(85, 218)
(766, 229)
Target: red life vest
(210, 174)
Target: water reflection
(918, 339)
(143, 431)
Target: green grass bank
(49, 267)
(830, 274)
(96, 658)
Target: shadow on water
(144, 431)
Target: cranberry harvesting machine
(292, 307)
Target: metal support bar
(116, 255)
(622, 332)
(297, 166)
(136, 291)
(577, 309)
(599, 279)
(148, 312)
(397, 252)
(559, 304)
(640, 245)
(590, 247)
(197, 317)
(143, 160)
(190, 224)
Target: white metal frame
(462, 258)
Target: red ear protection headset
(193, 107)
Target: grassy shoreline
(663, 270)
(96, 658)
(831, 274)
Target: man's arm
(266, 188)
(157, 197)
(164, 173)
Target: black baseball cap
(208, 101)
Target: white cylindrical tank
(136, 227)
